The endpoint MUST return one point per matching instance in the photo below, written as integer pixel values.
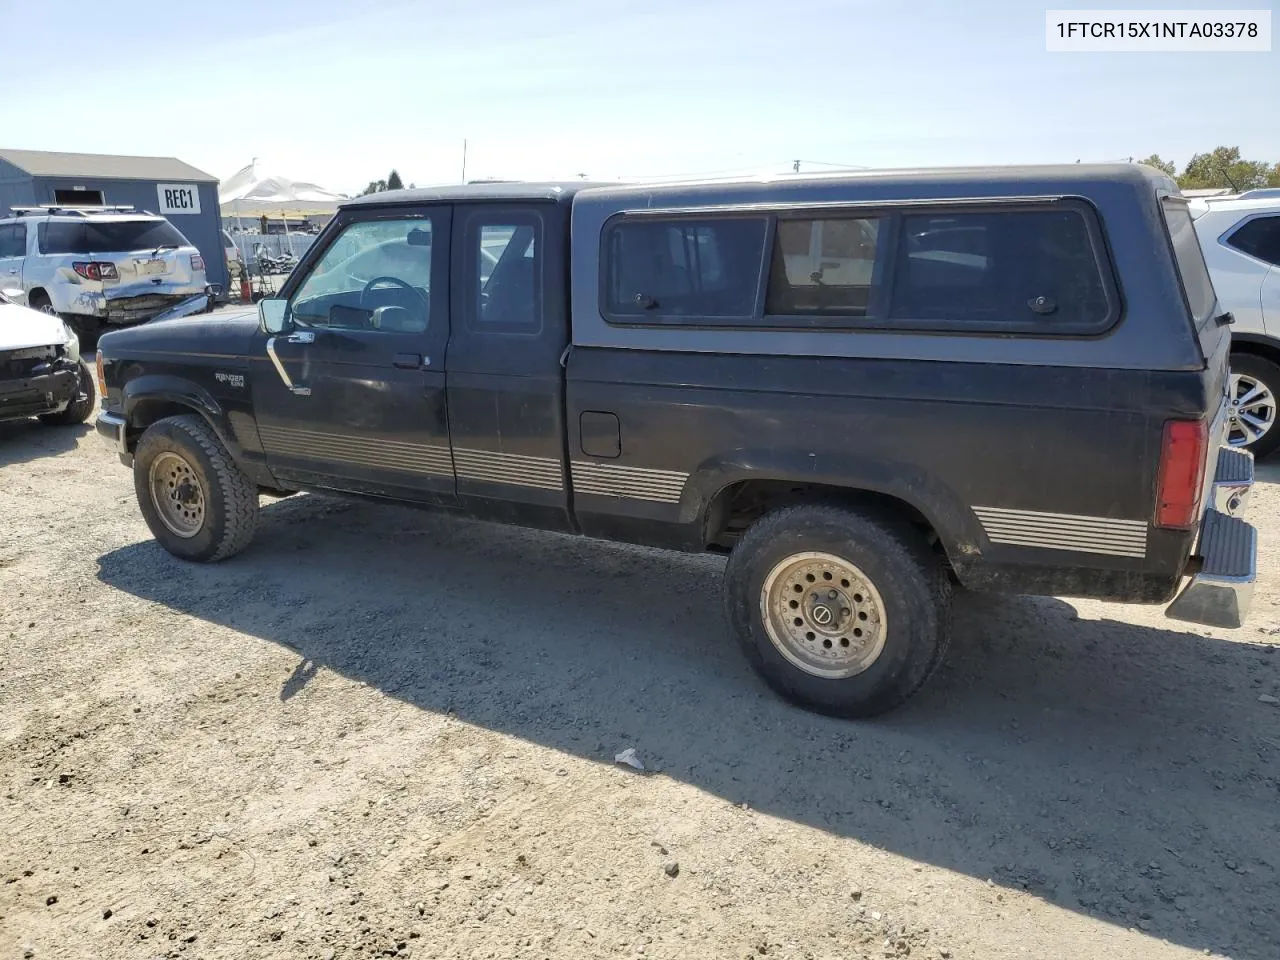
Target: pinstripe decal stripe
(358, 451)
(513, 468)
(632, 483)
(1064, 531)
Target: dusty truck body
(866, 389)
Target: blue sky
(340, 92)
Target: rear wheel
(1255, 387)
(197, 502)
(839, 612)
(81, 405)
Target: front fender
(139, 392)
(948, 513)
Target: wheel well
(1267, 350)
(740, 504)
(147, 412)
(37, 294)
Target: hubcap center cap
(822, 615)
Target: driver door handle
(301, 336)
(407, 361)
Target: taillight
(197, 262)
(92, 270)
(102, 379)
(1182, 465)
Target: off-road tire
(910, 579)
(81, 405)
(230, 498)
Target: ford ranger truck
(866, 389)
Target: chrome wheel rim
(1252, 410)
(823, 614)
(177, 495)
(48, 308)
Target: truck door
(352, 397)
(506, 383)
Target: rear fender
(950, 516)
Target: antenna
(464, 160)
(1223, 171)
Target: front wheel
(198, 503)
(839, 612)
(81, 405)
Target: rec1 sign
(178, 198)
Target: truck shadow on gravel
(1117, 770)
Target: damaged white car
(41, 373)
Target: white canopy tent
(247, 193)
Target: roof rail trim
(23, 210)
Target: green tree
(1223, 167)
(1165, 165)
(375, 186)
(394, 182)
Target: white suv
(98, 265)
(1240, 236)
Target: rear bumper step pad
(1220, 594)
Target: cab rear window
(1190, 259)
(113, 236)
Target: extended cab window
(822, 267)
(375, 276)
(505, 282)
(684, 268)
(1190, 258)
(1016, 269)
(1259, 238)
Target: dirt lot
(382, 732)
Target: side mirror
(273, 315)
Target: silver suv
(97, 265)
(1240, 236)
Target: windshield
(108, 236)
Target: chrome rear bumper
(1220, 592)
(1232, 481)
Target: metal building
(187, 197)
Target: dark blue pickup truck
(866, 389)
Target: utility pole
(795, 167)
(464, 160)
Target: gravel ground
(380, 732)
